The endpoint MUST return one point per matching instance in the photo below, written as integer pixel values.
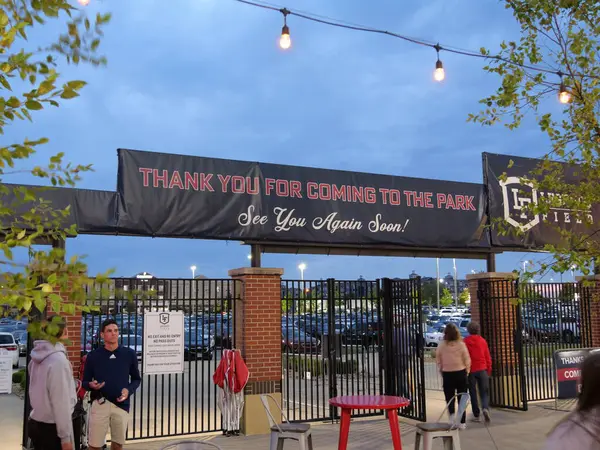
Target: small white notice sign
(163, 343)
(6, 371)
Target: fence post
(494, 304)
(388, 330)
(331, 345)
(258, 337)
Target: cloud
(205, 77)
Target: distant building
(151, 293)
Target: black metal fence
(171, 404)
(553, 318)
(525, 323)
(333, 344)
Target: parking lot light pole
(437, 282)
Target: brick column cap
(255, 271)
(491, 275)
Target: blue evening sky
(206, 77)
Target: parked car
(7, 342)
(297, 341)
(433, 336)
(198, 346)
(21, 340)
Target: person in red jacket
(481, 370)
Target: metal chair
(300, 432)
(447, 431)
(191, 445)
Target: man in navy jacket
(112, 375)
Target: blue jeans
(479, 380)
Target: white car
(433, 336)
(7, 342)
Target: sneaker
(476, 419)
(451, 418)
(462, 426)
(486, 416)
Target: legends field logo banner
(510, 195)
(196, 197)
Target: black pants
(43, 435)
(454, 383)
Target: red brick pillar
(589, 304)
(258, 337)
(72, 339)
(494, 304)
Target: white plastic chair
(191, 445)
(300, 432)
(447, 431)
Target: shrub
(19, 376)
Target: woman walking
(581, 429)
(454, 363)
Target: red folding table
(369, 402)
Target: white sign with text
(6, 371)
(163, 342)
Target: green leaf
(68, 93)
(13, 102)
(3, 18)
(40, 303)
(75, 85)
(33, 105)
(45, 87)
(69, 308)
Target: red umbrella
(231, 376)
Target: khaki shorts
(104, 416)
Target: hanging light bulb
(285, 42)
(564, 96)
(438, 73)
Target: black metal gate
(172, 404)
(501, 326)
(404, 344)
(333, 334)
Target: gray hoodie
(52, 388)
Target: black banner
(568, 371)
(186, 196)
(93, 212)
(507, 199)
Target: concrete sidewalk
(11, 422)
(509, 430)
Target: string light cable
(439, 74)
